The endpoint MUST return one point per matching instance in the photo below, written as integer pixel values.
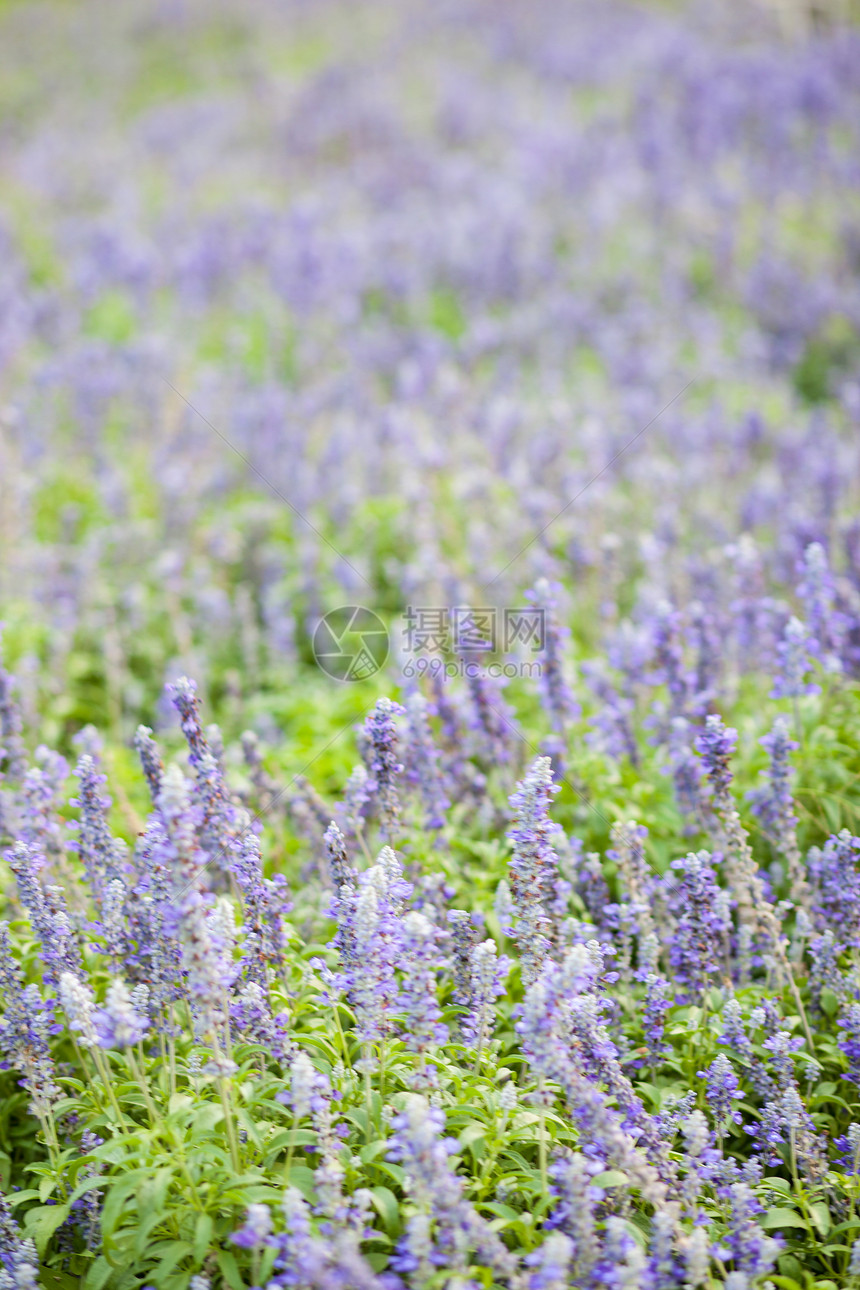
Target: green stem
(228, 1122)
(144, 1088)
(224, 1094)
(367, 1091)
(291, 1145)
(104, 1073)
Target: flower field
(430, 655)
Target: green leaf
(98, 1275)
(172, 1252)
(117, 1195)
(203, 1236)
(820, 1216)
(780, 1216)
(42, 1222)
(387, 1207)
(229, 1270)
(610, 1178)
(373, 1149)
(829, 1001)
(471, 1133)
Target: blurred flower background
(307, 304)
(524, 305)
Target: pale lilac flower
(533, 868)
(422, 1023)
(79, 1005)
(117, 1024)
(795, 662)
(486, 984)
(256, 1229)
(421, 762)
(550, 1263)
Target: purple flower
(48, 914)
(825, 973)
(207, 972)
(13, 757)
(687, 775)
(487, 974)
(25, 1028)
(702, 923)
(256, 1229)
(849, 1040)
(835, 870)
(79, 1005)
(550, 1263)
(421, 762)
(773, 803)
(817, 594)
(150, 760)
(716, 744)
(745, 1244)
(265, 904)
(556, 693)
(491, 719)
(574, 1210)
(218, 825)
(418, 1000)
(612, 730)
(669, 669)
(464, 937)
(533, 868)
(658, 1002)
(723, 1088)
(118, 1024)
(19, 1264)
(39, 803)
(385, 769)
(356, 800)
(453, 1228)
(342, 872)
(795, 662)
(374, 939)
(102, 858)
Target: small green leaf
(42, 1222)
(387, 1207)
(820, 1217)
(229, 1270)
(373, 1149)
(829, 1001)
(610, 1178)
(780, 1216)
(202, 1236)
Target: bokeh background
(304, 304)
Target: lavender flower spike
(555, 690)
(150, 760)
(423, 1026)
(534, 868)
(381, 733)
(421, 759)
(118, 1024)
(551, 1263)
(78, 1005)
(773, 804)
(487, 974)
